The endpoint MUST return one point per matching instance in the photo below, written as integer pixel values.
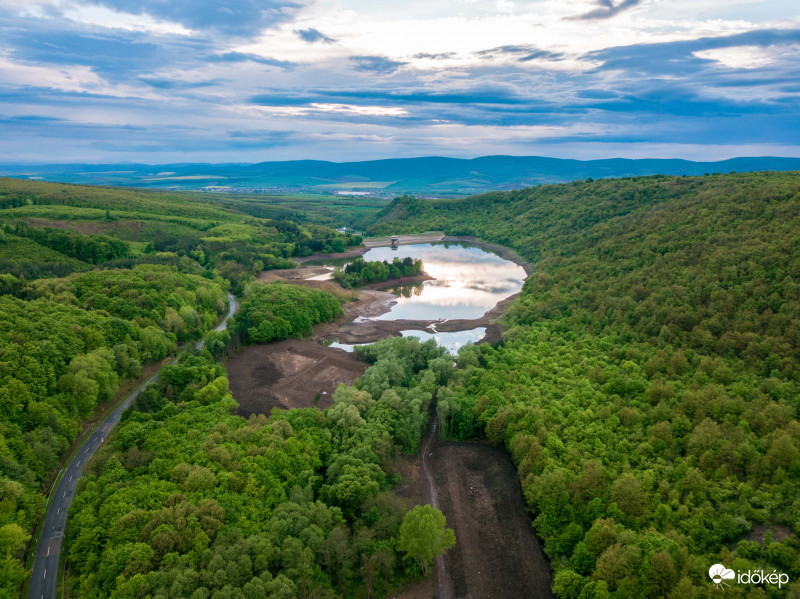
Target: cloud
(523, 53)
(376, 64)
(176, 84)
(433, 82)
(607, 9)
(247, 57)
(435, 56)
(651, 55)
(475, 95)
(232, 17)
(312, 35)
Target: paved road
(44, 576)
(233, 305)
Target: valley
(613, 414)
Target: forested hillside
(648, 384)
(67, 344)
(646, 387)
(96, 284)
(49, 229)
(190, 501)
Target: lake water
(468, 281)
(451, 341)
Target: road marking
(48, 551)
(58, 511)
(70, 478)
(45, 573)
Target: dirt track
(497, 554)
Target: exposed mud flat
(295, 373)
(374, 303)
(289, 374)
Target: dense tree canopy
(360, 272)
(278, 310)
(191, 501)
(647, 386)
(96, 284)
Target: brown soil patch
(497, 554)
(289, 374)
(777, 531)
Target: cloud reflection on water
(468, 281)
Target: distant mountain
(427, 175)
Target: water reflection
(452, 341)
(406, 290)
(468, 281)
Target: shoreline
(356, 325)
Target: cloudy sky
(163, 81)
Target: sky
(155, 81)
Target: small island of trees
(361, 272)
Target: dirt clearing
(289, 374)
(497, 554)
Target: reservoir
(467, 281)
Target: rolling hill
(431, 175)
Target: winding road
(44, 575)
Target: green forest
(96, 285)
(361, 272)
(51, 229)
(647, 385)
(279, 310)
(67, 344)
(190, 501)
